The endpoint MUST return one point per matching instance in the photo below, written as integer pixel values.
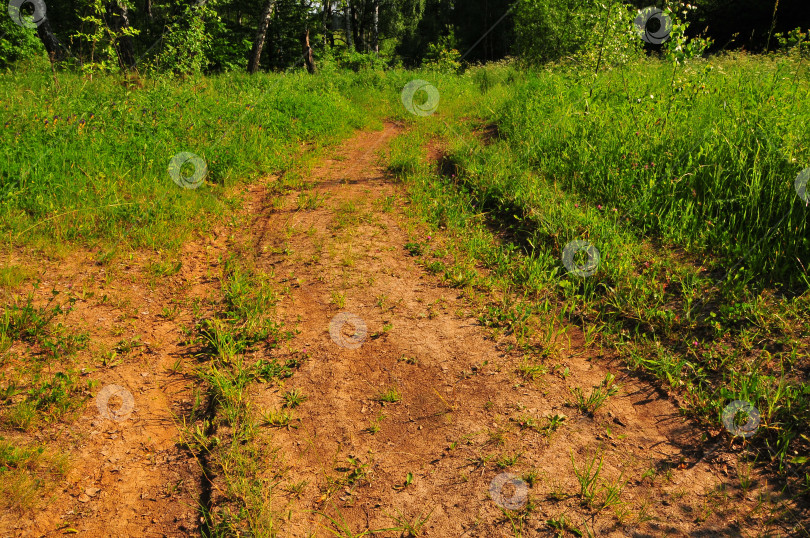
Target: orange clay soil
(462, 412)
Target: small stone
(83, 498)
(92, 491)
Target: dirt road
(415, 423)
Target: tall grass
(704, 154)
(87, 159)
(556, 165)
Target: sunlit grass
(685, 185)
(87, 160)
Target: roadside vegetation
(682, 179)
(593, 199)
(513, 166)
(87, 161)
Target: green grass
(702, 280)
(389, 395)
(598, 396)
(31, 393)
(12, 276)
(293, 398)
(62, 178)
(704, 155)
(24, 322)
(588, 477)
(225, 432)
(25, 472)
(530, 371)
(691, 286)
(85, 165)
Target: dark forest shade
(266, 34)
(735, 24)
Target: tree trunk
(52, 46)
(376, 38)
(149, 9)
(118, 22)
(328, 38)
(356, 34)
(308, 58)
(261, 35)
(349, 13)
(332, 26)
(360, 37)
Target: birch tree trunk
(261, 36)
(376, 38)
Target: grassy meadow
(86, 160)
(682, 176)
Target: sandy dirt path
(462, 404)
(460, 413)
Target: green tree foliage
(184, 36)
(187, 42)
(549, 30)
(17, 43)
(612, 40)
(99, 37)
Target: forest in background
(224, 35)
